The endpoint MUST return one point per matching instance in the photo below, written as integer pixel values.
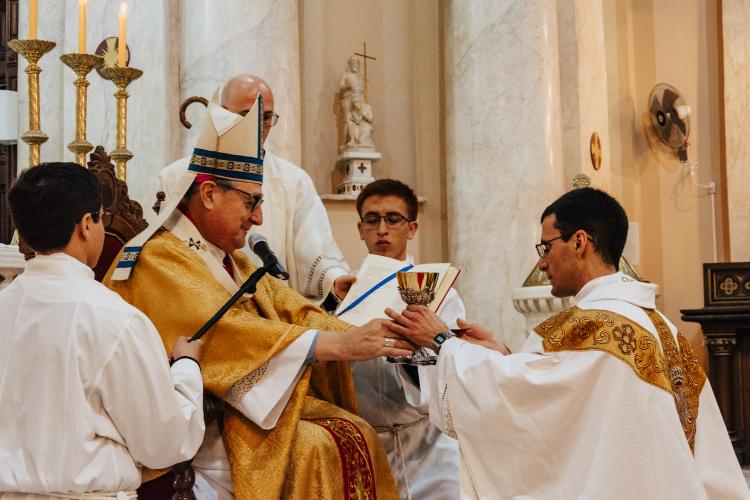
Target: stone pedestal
(356, 169)
(536, 303)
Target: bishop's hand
(368, 341)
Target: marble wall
(503, 148)
(404, 91)
(222, 39)
(736, 19)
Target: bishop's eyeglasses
(392, 219)
(252, 201)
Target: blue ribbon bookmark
(375, 287)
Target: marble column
(583, 88)
(503, 148)
(220, 40)
(735, 19)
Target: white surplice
(86, 392)
(261, 396)
(425, 461)
(578, 424)
(295, 223)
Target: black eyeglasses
(95, 216)
(392, 219)
(252, 201)
(271, 117)
(544, 247)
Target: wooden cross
(365, 57)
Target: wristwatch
(437, 341)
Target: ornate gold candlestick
(81, 64)
(32, 51)
(121, 77)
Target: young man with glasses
(424, 460)
(605, 400)
(87, 396)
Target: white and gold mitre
(228, 146)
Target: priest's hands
(365, 342)
(343, 284)
(478, 335)
(417, 323)
(183, 348)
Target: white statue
(357, 114)
(359, 125)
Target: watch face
(440, 338)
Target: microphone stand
(248, 286)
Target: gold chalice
(416, 288)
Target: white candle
(121, 43)
(82, 26)
(33, 17)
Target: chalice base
(417, 359)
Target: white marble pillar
(503, 147)
(583, 88)
(736, 19)
(152, 130)
(223, 39)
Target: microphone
(259, 245)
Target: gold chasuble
(673, 369)
(318, 449)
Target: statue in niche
(356, 113)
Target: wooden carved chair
(123, 217)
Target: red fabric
(228, 265)
(201, 178)
(112, 247)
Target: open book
(376, 288)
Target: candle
(82, 26)
(33, 17)
(121, 44)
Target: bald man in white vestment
(606, 399)
(87, 396)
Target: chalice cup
(416, 288)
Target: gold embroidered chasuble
(663, 364)
(318, 448)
